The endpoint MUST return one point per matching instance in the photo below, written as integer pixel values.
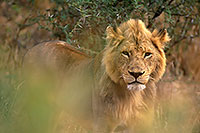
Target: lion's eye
(125, 53)
(147, 55)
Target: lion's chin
(136, 87)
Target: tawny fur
(112, 102)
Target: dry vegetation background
(82, 23)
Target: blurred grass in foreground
(30, 106)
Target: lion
(117, 86)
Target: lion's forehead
(142, 47)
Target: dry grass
(189, 58)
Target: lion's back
(54, 54)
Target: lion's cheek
(113, 72)
(158, 69)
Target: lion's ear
(113, 37)
(161, 36)
(111, 34)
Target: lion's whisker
(151, 78)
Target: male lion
(118, 85)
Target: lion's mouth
(136, 85)
(134, 82)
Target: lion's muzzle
(135, 80)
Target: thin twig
(158, 12)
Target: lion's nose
(136, 74)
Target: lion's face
(134, 55)
(136, 63)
